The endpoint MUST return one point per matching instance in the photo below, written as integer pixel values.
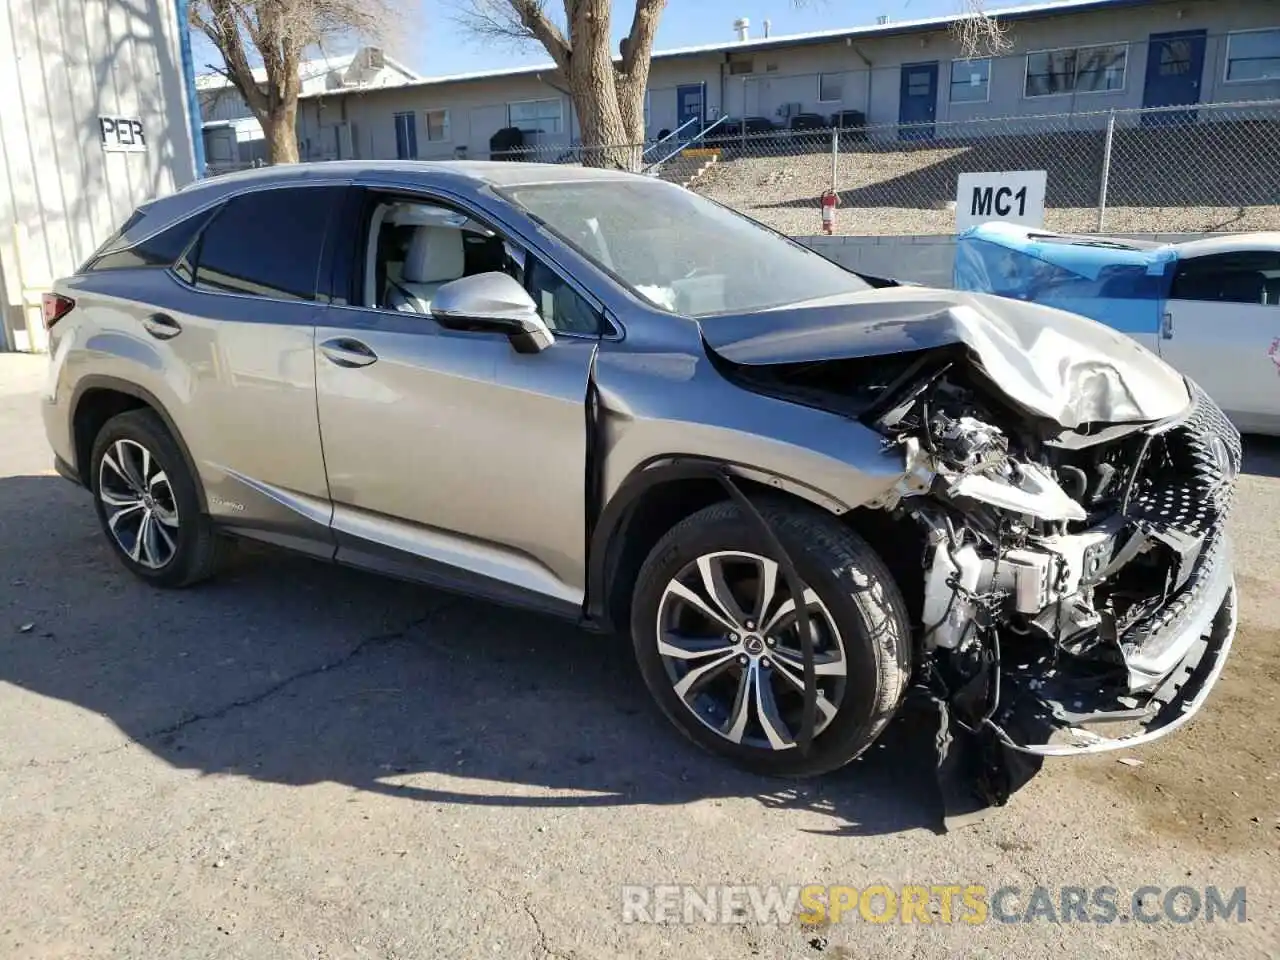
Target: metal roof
(895, 28)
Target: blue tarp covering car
(1121, 283)
(1209, 307)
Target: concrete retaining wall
(926, 259)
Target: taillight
(55, 307)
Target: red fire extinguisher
(829, 203)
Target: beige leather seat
(436, 256)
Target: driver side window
(416, 247)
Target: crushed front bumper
(1053, 714)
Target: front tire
(148, 503)
(713, 624)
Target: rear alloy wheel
(137, 498)
(716, 634)
(148, 502)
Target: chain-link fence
(1193, 169)
(1182, 169)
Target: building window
(1253, 55)
(830, 87)
(1096, 69)
(536, 116)
(406, 136)
(970, 81)
(738, 67)
(437, 123)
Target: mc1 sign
(122, 135)
(1015, 196)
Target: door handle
(1166, 326)
(161, 326)
(348, 352)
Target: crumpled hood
(1050, 362)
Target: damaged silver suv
(802, 492)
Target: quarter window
(265, 244)
(970, 81)
(536, 116)
(406, 136)
(1248, 277)
(161, 250)
(560, 306)
(1253, 55)
(1094, 69)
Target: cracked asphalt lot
(303, 761)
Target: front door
(918, 104)
(1222, 329)
(1175, 66)
(690, 105)
(451, 457)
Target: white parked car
(1210, 307)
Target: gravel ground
(907, 193)
(303, 761)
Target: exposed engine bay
(1075, 581)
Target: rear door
(236, 328)
(1222, 329)
(451, 457)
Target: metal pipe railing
(685, 146)
(673, 133)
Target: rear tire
(748, 648)
(148, 503)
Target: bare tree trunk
(591, 84)
(604, 136)
(280, 128)
(607, 96)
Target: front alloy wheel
(729, 639)
(715, 631)
(138, 503)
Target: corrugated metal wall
(63, 65)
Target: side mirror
(494, 303)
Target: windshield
(680, 252)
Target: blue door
(690, 99)
(1175, 65)
(918, 103)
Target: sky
(434, 45)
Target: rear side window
(1251, 276)
(160, 250)
(266, 244)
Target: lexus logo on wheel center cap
(754, 645)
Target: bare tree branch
(278, 32)
(978, 33)
(637, 46)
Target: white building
(1065, 57)
(95, 121)
(233, 137)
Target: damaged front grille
(1186, 478)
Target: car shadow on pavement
(1261, 456)
(291, 671)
